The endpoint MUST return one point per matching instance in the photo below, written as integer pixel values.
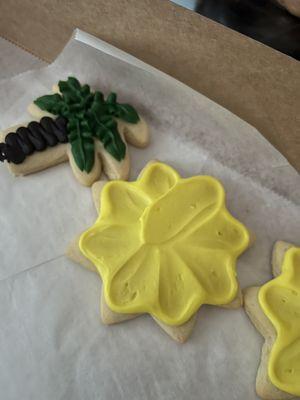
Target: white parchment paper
(52, 343)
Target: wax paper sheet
(14, 60)
(52, 343)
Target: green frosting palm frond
(89, 116)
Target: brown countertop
(257, 83)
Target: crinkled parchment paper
(52, 343)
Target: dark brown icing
(37, 136)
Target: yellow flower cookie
(164, 245)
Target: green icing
(89, 116)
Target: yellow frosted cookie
(164, 245)
(274, 308)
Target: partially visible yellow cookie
(274, 309)
(163, 245)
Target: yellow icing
(280, 301)
(165, 245)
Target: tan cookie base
(264, 387)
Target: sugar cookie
(76, 124)
(163, 245)
(274, 309)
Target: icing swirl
(37, 136)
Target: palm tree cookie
(78, 125)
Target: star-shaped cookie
(162, 245)
(274, 309)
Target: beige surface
(293, 6)
(257, 83)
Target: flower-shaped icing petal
(122, 203)
(280, 301)
(155, 182)
(182, 245)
